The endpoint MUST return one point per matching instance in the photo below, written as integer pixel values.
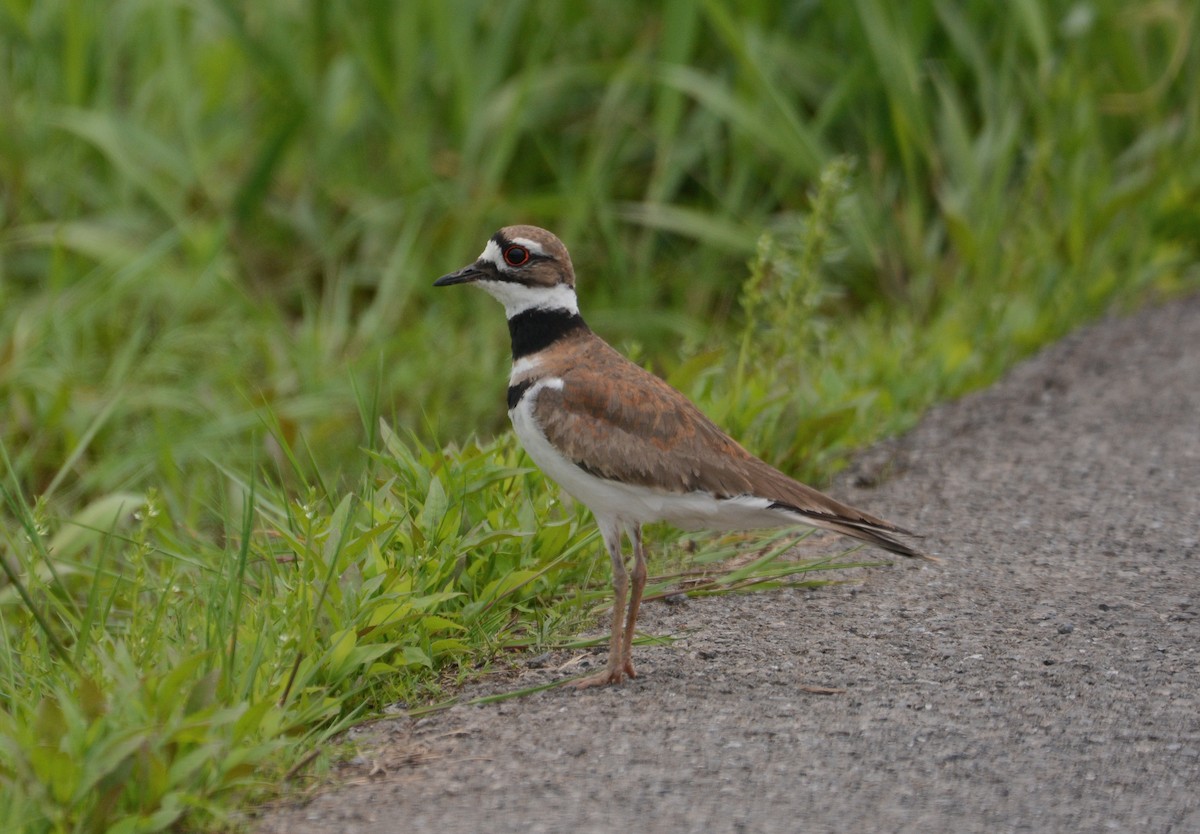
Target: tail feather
(876, 532)
(876, 537)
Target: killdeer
(622, 441)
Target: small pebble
(1065, 628)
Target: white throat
(517, 298)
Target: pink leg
(615, 670)
(635, 600)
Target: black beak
(468, 274)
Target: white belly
(632, 503)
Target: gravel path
(1042, 677)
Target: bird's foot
(612, 674)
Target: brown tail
(879, 538)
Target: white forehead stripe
(492, 253)
(533, 246)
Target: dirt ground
(1042, 677)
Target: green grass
(243, 505)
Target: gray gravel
(1042, 677)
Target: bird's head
(523, 267)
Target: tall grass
(234, 519)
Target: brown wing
(618, 421)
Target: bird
(622, 441)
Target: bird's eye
(516, 255)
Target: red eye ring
(516, 255)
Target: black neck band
(538, 328)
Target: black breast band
(538, 328)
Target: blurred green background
(219, 223)
(211, 208)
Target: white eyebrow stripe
(532, 245)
